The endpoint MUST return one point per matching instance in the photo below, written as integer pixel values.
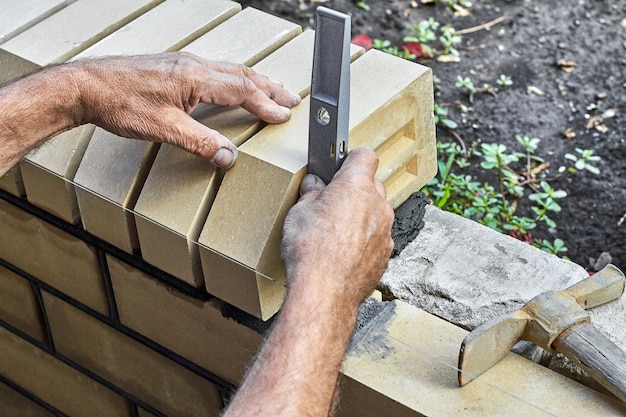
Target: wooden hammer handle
(595, 353)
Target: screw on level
(322, 116)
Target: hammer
(557, 322)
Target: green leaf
(592, 169)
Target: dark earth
(590, 34)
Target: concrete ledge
(405, 361)
(467, 274)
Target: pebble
(603, 260)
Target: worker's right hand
(338, 237)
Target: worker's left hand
(150, 97)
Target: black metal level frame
(330, 94)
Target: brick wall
(136, 279)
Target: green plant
(556, 248)
(502, 203)
(582, 161)
(448, 39)
(386, 46)
(441, 117)
(465, 83)
(361, 4)
(504, 80)
(545, 202)
(423, 33)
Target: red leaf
(524, 237)
(413, 48)
(363, 41)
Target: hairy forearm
(296, 371)
(35, 108)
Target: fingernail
(225, 158)
(309, 183)
(297, 98)
(280, 83)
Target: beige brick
(390, 113)
(18, 16)
(192, 328)
(54, 382)
(51, 255)
(19, 306)
(56, 39)
(48, 171)
(108, 180)
(128, 364)
(143, 413)
(116, 169)
(180, 188)
(12, 182)
(12, 403)
(406, 360)
(66, 33)
(168, 27)
(245, 38)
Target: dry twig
(484, 26)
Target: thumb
(310, 186)
(201, 140)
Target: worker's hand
(150, 97)
(338, 237)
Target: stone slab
(192, 328)
(12, 403)
(54, 382)
(391, 114)
(19, 306)
(405, 359)
(167, 27)
(467, 273)
(18, 16)
(48, 172)
(53, 256)
(128, 364)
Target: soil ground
(526, 47)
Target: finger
(200, 140)
(362, 161)
(262, 106)
(241, 85)
(310, 186)
(272, 88)
(275, 91)
(380, 188)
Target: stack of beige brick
(136, 280)
(119, 258)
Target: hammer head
(541, 321)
